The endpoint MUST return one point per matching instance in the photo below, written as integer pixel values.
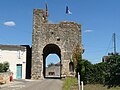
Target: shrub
(4, 67)
(1, 67)
(106, 73)
(92, 73)
(113, 77)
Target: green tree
(88, 71)
(1, 67)
(93, 73)
(50, 64)
(99, 72)
(113, 77)
(84, 67)
(5, 66)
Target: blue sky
(99, 20)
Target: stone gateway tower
(48, 38)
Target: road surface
(45, 84)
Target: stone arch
(51, 49)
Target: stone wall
(6, 76)
(66, 35)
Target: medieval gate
(48, 38)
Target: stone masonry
(49, 38)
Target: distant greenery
(50, 64)
(113, 77)
(4, 67)
(106, 73)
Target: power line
(109, 45)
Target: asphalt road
(45, 84)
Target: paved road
(46, 84)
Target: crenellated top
(66, 24)
(40, 13)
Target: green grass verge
(98, 87)
(69, 82)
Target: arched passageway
(51, 61)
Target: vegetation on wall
(77, 54)
(77, 57)
(4, 66)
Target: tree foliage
(1, 67)
(99, 72)
(4, 67)
(50, 64)
(93, 73)
(113, 77)
(84, 68)
(107, 73)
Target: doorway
(19, 71)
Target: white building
(19, 58)
(53, 70)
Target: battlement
(66, 24)
(40, 13)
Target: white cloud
(9, 23)
(87, 31)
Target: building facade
(47, 38)
(19, 59)
(53, 70)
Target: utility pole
(114, 35)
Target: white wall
(14, 56)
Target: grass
(69, 83)
(99, 87)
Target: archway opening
(51, 61)
(52, 66)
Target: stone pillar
(38, 20)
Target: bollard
(11, 77)
(78, 81)
(82, 85)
